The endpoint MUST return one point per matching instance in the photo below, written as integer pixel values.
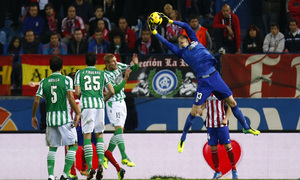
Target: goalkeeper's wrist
(170, 21)
(154, 32)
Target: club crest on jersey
(192, 45)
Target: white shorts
(116, 113)
(92, 120)
(61, 135)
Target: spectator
(84, 10)
(70, 23)
(117, 42)
(200, 31)
(274, 41)
(101, 25)
(294, 9)
(30, 45)
(13, 49)
(78, 45)
(168, 8)
(53, 22)
(34, 21)
(99, 45)
(130, 35)
(147, 44)
(172, 30)
(253, 41)
(54, 47)
(93, 22)
(227, 32)
(292, 38)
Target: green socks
(100, 149)
(70, 158)
(117, 139)
(88, 152)
(51, 160)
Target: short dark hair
(29, 30)
(274, 25)
(90, 58)
(98, 30)
(99, 7)
(54, 34)
(56, 63)
(33, 4)
(293, 20)
(49, 5)
(193, 16)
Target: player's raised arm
(166, 43)
(189, 31)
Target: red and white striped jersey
(72, 112)
(215, 112)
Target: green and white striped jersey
(91, 82)
(116, 77)
(54, 88)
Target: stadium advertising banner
(36, 67)
(262, 75)
(6, 63)
(169, 114)
(161, 76)
(263, 114)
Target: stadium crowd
(119, 26)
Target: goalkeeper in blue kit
(209, 79)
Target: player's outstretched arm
(165, 19)
(189, 31)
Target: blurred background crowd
(61, 27)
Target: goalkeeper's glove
(151, 27)
(165, 19)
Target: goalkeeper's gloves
(165, 19)
(151, 27)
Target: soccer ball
(155, 18)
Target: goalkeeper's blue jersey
(195, 54)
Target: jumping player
(115, 106)
(209, 79)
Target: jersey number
(89, 86)
(54, 94)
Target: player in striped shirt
(89, 84)
(57, 90)
(115, 106)
(217, 132)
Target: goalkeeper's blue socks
(239, 115)
(188, 123)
